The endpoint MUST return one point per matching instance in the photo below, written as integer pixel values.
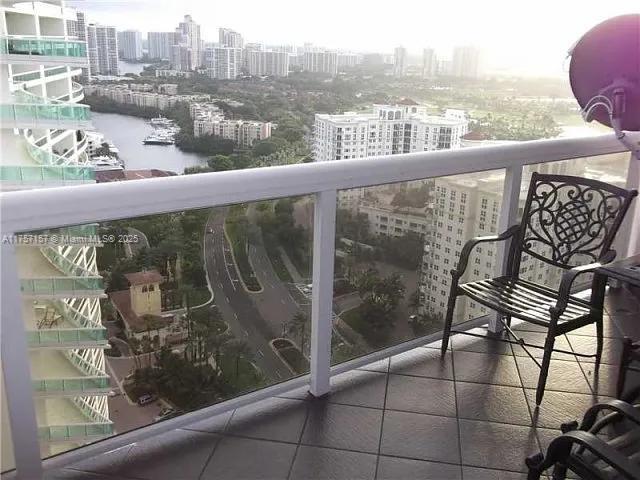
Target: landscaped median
(291, 355)
(236, 229)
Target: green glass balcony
(73, 287)
(67, 336)
(49, 47)
(65, 432)
(71, 385)
(44, 174)
(28, 76)
(31, 114)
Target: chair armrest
(569, 276)
(471, 244)
(600, 449)
(618, 407)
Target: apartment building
(243, 132)
(386, 219)
(349, 59)
(189, 43)
(160, 44)
(466, 62)
(223, 63)
(321, 62)
(102, 46)
(122, 93)
(44, 145)
(400, 61)
(230, 38)
(267, 63)
(429, 63)
(387, 129)
(130, 44)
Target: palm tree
(299, 326)
(238, 349)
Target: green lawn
(295, 359)
(246, 378)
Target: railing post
(508, 217)
(627, 241)
(324, 237)
(16, 370)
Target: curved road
(234, 303)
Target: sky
(530, 37)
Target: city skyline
(527, 52)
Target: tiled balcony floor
(415, 416)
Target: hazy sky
(525, 36)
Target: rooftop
(144, 278)
(468, 416)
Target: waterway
(127, 133)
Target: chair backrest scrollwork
(569, 221)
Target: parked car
(209, 230)
(146, 399)
(113, 393)
(166, 413)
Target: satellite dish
(605, 75)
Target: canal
(127, 133)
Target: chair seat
(522, 299)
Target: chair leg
(544, 368)
(451, 305)
(622, 369)
(599, 340)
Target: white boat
(158, 139)
(104, 163)
(161, 121)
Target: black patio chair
(568, 222)
(603, 447)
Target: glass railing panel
(17, 174)
(202, 306)
(395, 247)
(61, 286)
(45, 47)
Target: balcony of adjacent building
(43, 50)
(393, 408)
(40, 277)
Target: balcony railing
(77, 386)
(50, 208)
(46, 115)
(67, 336)
(70, 432)
(35, 75)
(43, 50)
(45, 174)
(62, 287)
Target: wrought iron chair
(585, 451)
(568, 222)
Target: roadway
(235, 303)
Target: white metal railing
(57, 207)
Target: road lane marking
(246, 332)
(278, 374)
(227, 299)
(260, 353)
(283, 302)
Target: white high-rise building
(400, 62)
(230, 38)
(131, 44)
(44, 145)
(261, 63)
(349, 59)
(160, 44)
(466, 62)
(224, 63)
(429, 63)
(102, 45)
(388, 129)
(191, 39)
(321, 62)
